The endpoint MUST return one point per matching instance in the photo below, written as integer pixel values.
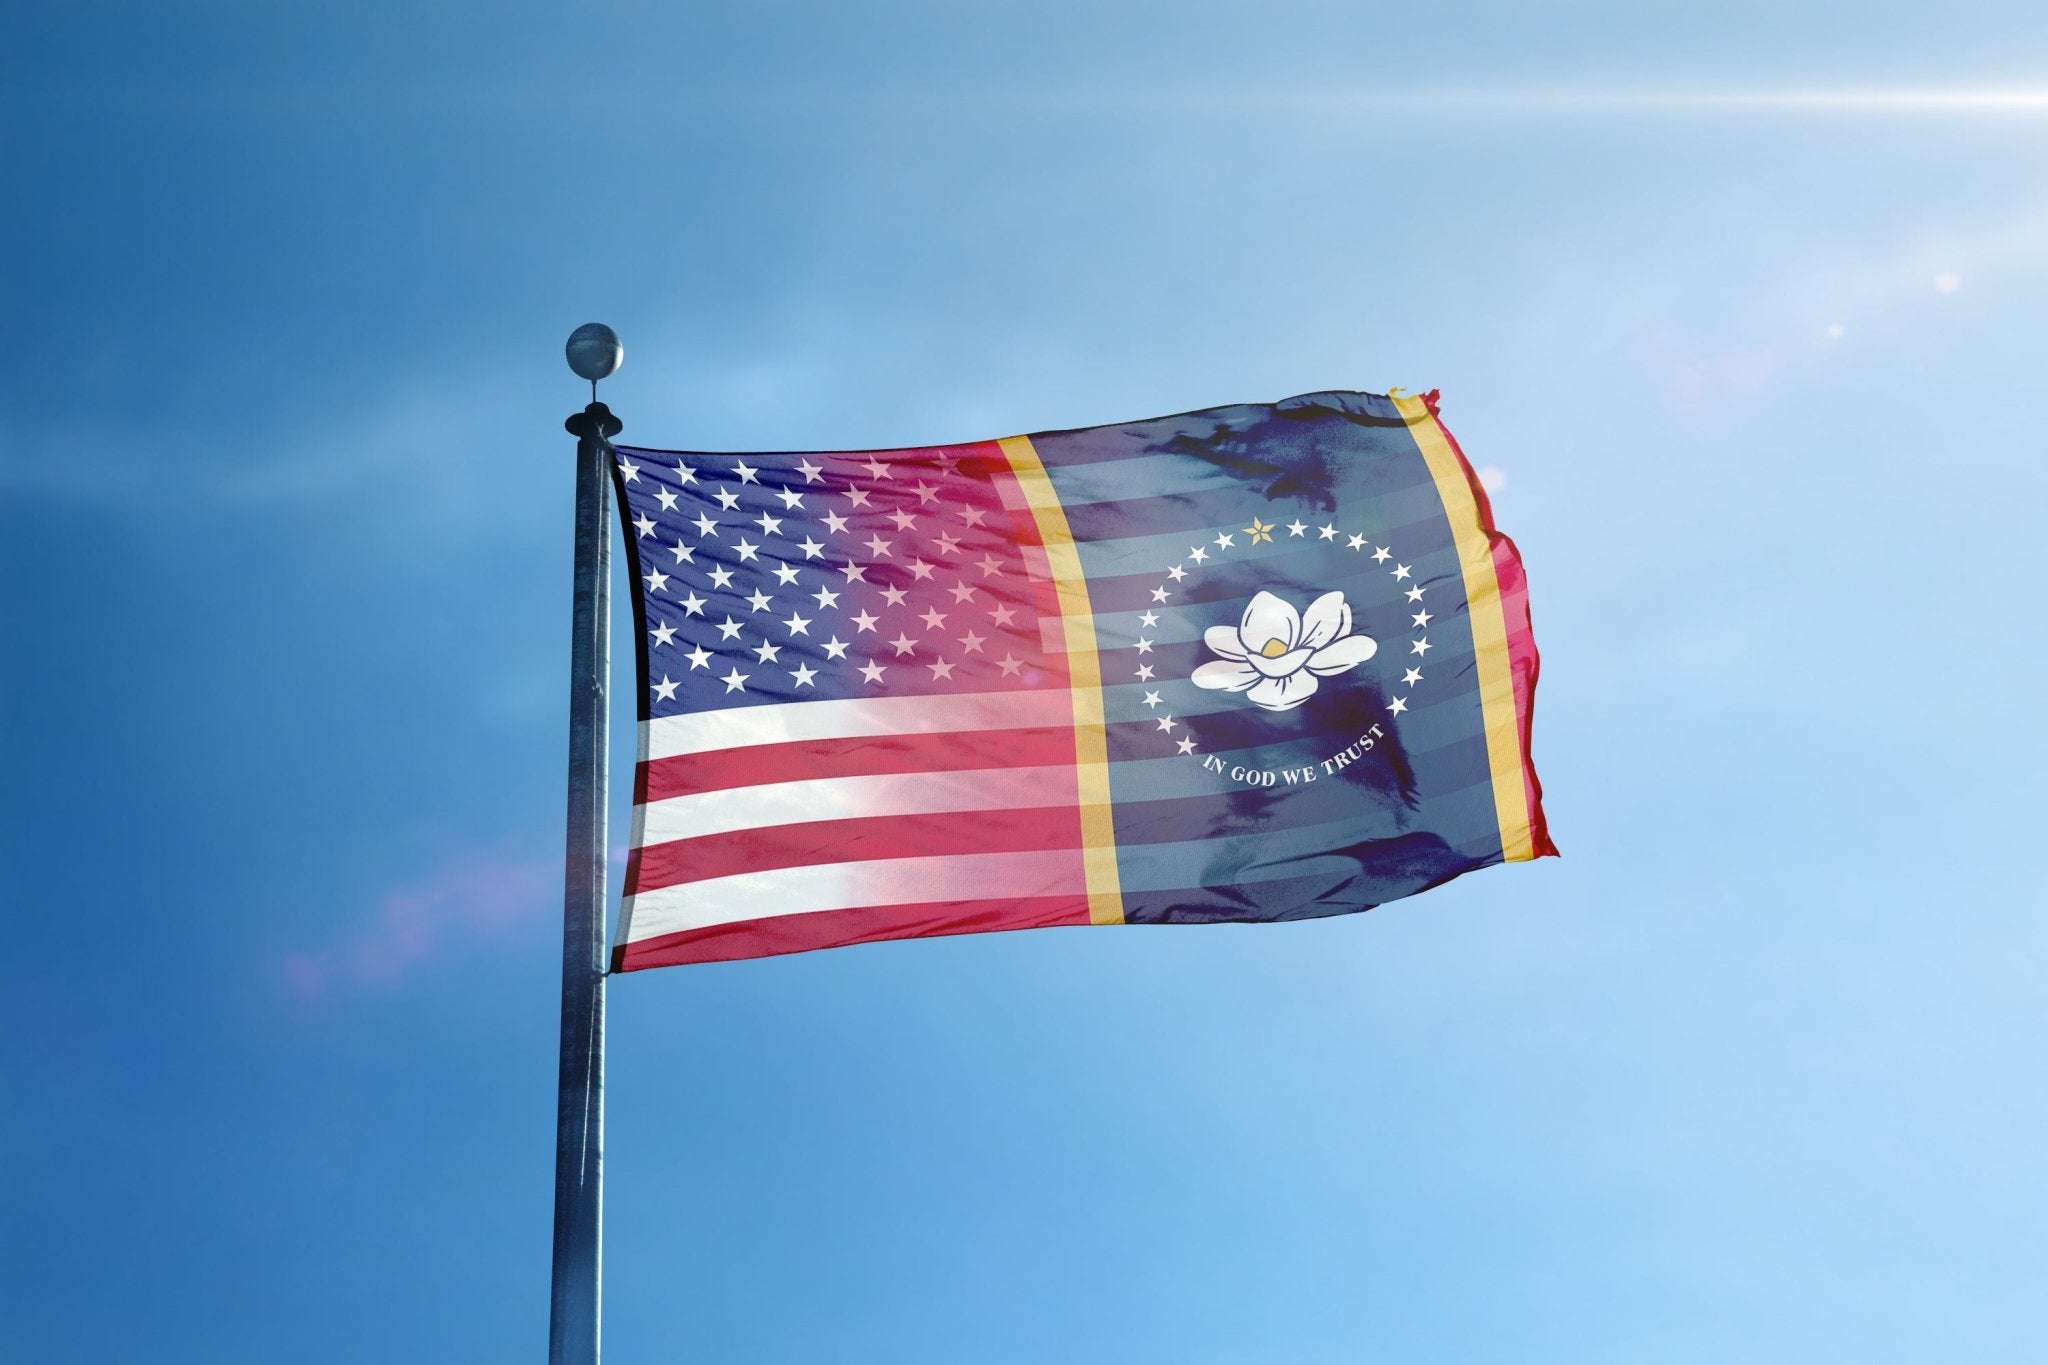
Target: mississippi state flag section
(1264, 662)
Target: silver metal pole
(573, 1319)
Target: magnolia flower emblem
(1275, 656)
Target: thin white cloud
(1866, 100)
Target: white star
(1186, 746)
(876, 469)
(1166, 724)
(684, 474)
(809, 470)
(972, 515)
(835, 648)
(948, 545)
(971, 642)
(925, 495)
(835, 523)
(628, 471)
(667, 499)
(1198, 554)
(1420, 618)
(727, 498)
(872, 671)
(1412, 677)
(1224, 541)
(693, 605)
(1144, 645)
(1381, 554)
(1294, 528)
(803, 675)
(989, 565)
(825, 597)
(705, 525)
(1159, 594)
(656, 580)
(903, 519)
(1009, 663)
(684, 554)
(1397, 706)
(961, 592)
(932, 619)
(770, 526)
(699, 657)
(798, 625)
(1002, 614)
(663, 633)
(893, 596)
(791, 499)
(1144, 673)
(730, 630)
(921, 570)
(1420, 646)
(745, 471)
(665, 690)
(721, 578)
(863, 622)
(766, 652)
(1150, 618)
(852, 572)
(1354, 542)
(785, 575)
(856, 497)
(940, 669)
(1176, 573)
(811, 548)
(1151, 699)
(904, 644)
(735, 681)
(1400, 571)
(1415, 593)
(746, 549)
(1327, 532)
(643, 525)
(758, 601)
(878, 547)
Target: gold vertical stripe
(1084, 680)
(1489, 628)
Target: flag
(1261, 662)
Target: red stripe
(837, 928)
(863, 839)
(1523, 661)
(868, 755)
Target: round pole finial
(594, 351)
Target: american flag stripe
(853, 885)
(858, 839)
(838, 928)
(866, 755)
(744, 726)
(852, 798)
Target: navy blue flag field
(1260, 662)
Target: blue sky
(1752, 1072)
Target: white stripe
(844, 886)
(847, 798)
(740, 726)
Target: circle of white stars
(1268, 533)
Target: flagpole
(573, 1318)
